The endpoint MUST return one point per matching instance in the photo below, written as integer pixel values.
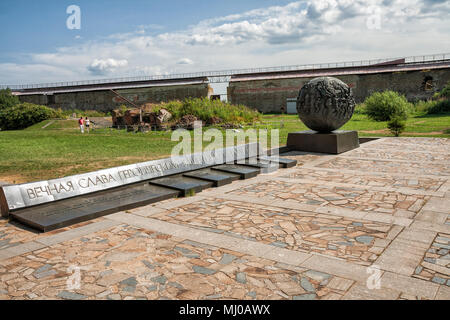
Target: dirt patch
(386, 131)
(12, 179)
(383, 131)
(423, 133)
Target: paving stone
(241, 277)
(227, 259)
(129, 285)
(45, 267)
(202, 270)
(66, 295)
(365, 239)
(159, 279)
(316, 275)
(340, 284)
(45, 274)
(304, 282)
(152, 288)
(438, 280)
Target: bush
(439, 107)
(444, 93)
(7, 100)
(23, 115)
(206, 110)
(383, 106)
(360, 109)
(396, 125)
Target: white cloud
(105, 66)
(185, 61)
(298, 33)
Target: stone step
(244, 171)
(219, 179)
(186, 186)
(265, 166)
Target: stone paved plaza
(308, 232)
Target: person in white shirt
(87, 123)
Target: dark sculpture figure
(325, 104)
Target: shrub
(360, 109)
(206, 109)
(437, 107)
(7, 100)
(444, 93)
(422, 106)
(396, 125)
(24, 115)
(383, 106)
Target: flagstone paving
(435, 265)
(345, 197)
(373, 223)
(388, 180)
(354, 240)
(410, 168)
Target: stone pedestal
(335, 142)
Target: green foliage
(396, 125)
(206, 109)
(360, 109)
(383, 106)
(7, 100)
(444, 93)
(24, 115)
(439, 107)
(123, 108)
(422, 106)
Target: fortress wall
(105, 100)
(270, 95)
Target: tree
(396, 125)
(383, 106)
(7, 99)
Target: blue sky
(37, 26)
(137, 37)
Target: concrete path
(373, 223)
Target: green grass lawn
(60, 150)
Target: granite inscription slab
(16, 197)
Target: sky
(136, 37)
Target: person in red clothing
(81, 123)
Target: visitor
(87, 122)
(81, 123)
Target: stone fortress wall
(269, 93)
(106, 100)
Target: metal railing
(224, 75)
